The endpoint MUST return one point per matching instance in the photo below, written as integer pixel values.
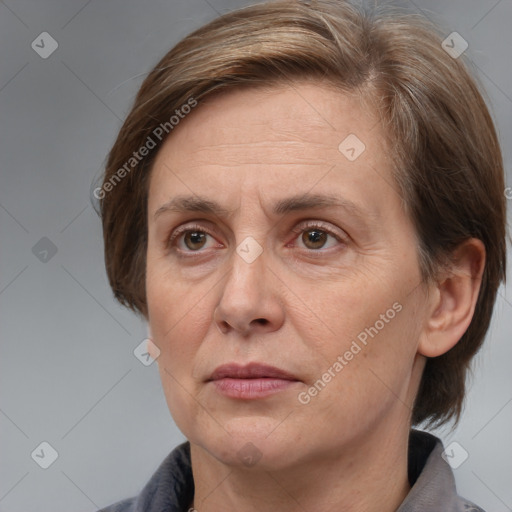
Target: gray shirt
(171, 487)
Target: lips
(250, 371)
(252, 381)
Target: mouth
(251, 381)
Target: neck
(369, 475)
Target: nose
(249, 302)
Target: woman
(306, 205)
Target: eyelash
(308, 225)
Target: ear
(452, 299)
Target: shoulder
(467, 506)
(126, 505)
(170, 488)
(431, 478)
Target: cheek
(372, 328)
(179, 318)
(178, 315)
(178, 325)
(330, 317)
(356, 384)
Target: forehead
(285, 112)
(294, 136)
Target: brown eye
(317, 237)
(314, 238)
(194, 239)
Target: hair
(447, 161)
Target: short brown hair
(448, 163)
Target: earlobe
(453, 299)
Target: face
(275, 237)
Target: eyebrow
(195, 203)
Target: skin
(298, 306)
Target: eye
(190, 238)
(314, 236)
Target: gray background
(68, 373)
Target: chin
(255, 443)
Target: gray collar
(433, 485)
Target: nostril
(262, 321)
